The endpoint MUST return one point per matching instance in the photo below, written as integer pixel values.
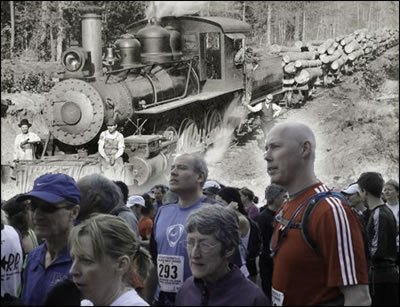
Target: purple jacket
(232, 290)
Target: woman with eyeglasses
(212, 237)
(104, 252)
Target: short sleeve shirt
(301, 276)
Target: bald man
(336, 271)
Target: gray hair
(98, 195)
(199, 165)
(216, 220)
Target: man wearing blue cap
(54, 203)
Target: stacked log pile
(306, 63)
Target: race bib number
(170, 272)
(277, 297)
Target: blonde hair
(110, 235)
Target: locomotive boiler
(165, 82)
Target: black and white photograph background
(198, 76)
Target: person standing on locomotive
(269, 111)
(24, 142)
(111, 147)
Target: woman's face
(205, 257)
(98, 281)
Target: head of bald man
(290, 154)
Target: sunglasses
(48, 208)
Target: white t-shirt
(11, 261)
(130, 298)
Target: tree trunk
(269, 9)
(52, 44)
(12, 20)
(61, 32)
(358, 15)
(371, 7)
(303, 32)
(244, 11)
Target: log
(331, 50)
(352, 46)
(278, 49)
(322, 49)
(299, 44)
(316, 42)
(288, 81)
(293, 56)
(339, 38)
(330, 58)
(306, 75)
(356, 54)
(290, 68)
(307, 63)
(339, 62)
(346, 40)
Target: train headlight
(72, 61)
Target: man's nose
(267, 156)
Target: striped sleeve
(339, 230)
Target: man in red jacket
(335, 272)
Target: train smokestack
(91, 36)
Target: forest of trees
(42, 30)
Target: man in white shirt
(25, 142)
(269, 111)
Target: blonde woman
(105, 251)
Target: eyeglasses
(48, 208)
(203, 246)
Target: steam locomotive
(166, 83)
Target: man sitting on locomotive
(111, 145)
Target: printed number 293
(167, 271)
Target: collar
(39, 256)
(298, 193)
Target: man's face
(158, 194)
(24, 129)
(354, 199)
(54, 224)
(183, 176)
(111, 128)
(283, 156)
(389, 192)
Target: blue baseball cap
(54, 188)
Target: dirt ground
(356, 131)
(356, 127)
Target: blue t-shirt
(169, 233)
(37, 280)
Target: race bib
(170, 272)
(277, 297)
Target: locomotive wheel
(189, 137)
(213, 126)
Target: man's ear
(201, 177)
(75, 212)
(307, 149)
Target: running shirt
(11, 261)
(301, 276)
(169, 233)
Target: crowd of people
(198, 242)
